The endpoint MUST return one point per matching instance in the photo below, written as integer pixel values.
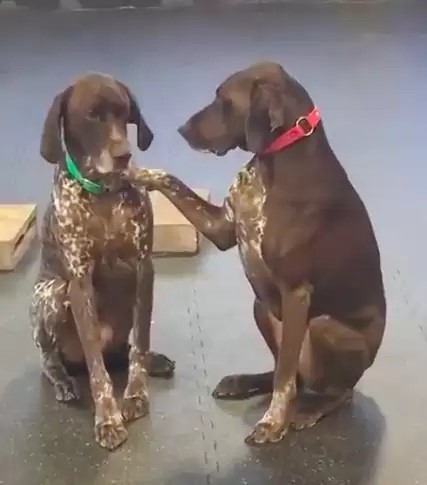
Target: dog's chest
(121, 225)
(247, 197)
(112, 230)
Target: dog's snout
(184, 129)
(121, 154)
(120, 151)
(117, 134)
(191, 133)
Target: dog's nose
(184, 129)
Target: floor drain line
(203, 392)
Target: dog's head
(89, 119)
(249, 109)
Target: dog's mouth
(117, 186)
(114, 181)
(219, 152)
(121, 162)
(102, 177)
(202, 146)
(107, 163)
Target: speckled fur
(305, 240)
(96, 278)
(71, 231)
(245, 207)
(83, 234)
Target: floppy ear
(266, 114)
(50, 146)
(144, 134)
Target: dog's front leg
(275, 422)
(135, 402)
(214, 222)
(109, 430)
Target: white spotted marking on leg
(245, 206)
(279, 403)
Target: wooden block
(17, 231)
(173, 233)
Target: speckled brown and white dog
(96, 278)
(305, 241)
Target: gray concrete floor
(367, 70)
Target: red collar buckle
(303, 127)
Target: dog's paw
(149, 178)
(309, 410)
(66, 391)
(158, 365)
(134, 408)
(110, 434)
(233, 387)
(243, 386)
(303, 420)
(267, 432)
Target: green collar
(74, 174)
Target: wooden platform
(17, 231)
(173, 233)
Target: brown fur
(96, 278)
(305, 241)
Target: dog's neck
(300, 165)
(73, 172)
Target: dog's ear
(265, 115)
(51, 146)
(144, 134)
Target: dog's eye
(93, 116)
(120, 113)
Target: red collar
(303, 127)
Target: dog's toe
(310, 409)
(66, 391)
(134, 408)
(303, 420)
(110, 435)
(266, 432)
(230, 387)
(158, 365)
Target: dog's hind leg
(244, 386)
(49, 310)
(333, 358)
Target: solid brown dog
(96, 277)
(305, 241)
